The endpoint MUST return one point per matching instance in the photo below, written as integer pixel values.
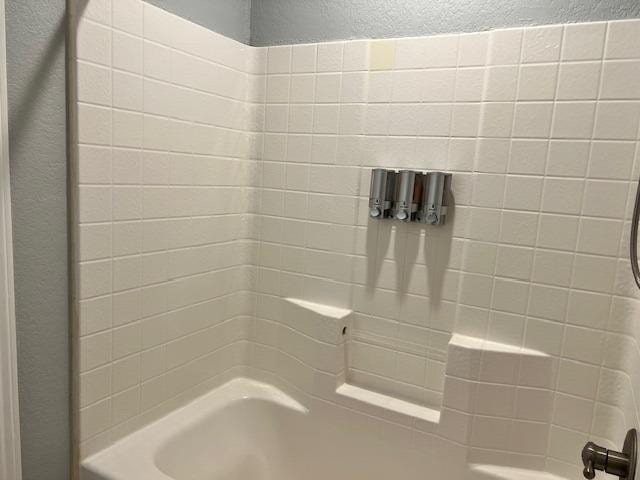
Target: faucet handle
(589, 471)
(594, 457)
(621, 464)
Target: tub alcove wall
(221, 231)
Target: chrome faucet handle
(594, 457)
(622, 464)
(588, 470)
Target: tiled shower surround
(164, 186)
(215, 180)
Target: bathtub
(247, 430)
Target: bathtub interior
(250, 438)
(262, 441)
(231, 434)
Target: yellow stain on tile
(382, 54)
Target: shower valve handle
(594, 457)
(588, 471)
(622, 464)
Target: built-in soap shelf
(475, 343)
(387, 402)
(468, 360)
(330, 324)
(321, 322)
(499, 472)
(485, 361)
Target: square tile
(578, 81)
(541, 44)
(583, 41)
(623, 39)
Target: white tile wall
(540, 128)
(164, 176)
(200, 159)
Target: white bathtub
(246, 430)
